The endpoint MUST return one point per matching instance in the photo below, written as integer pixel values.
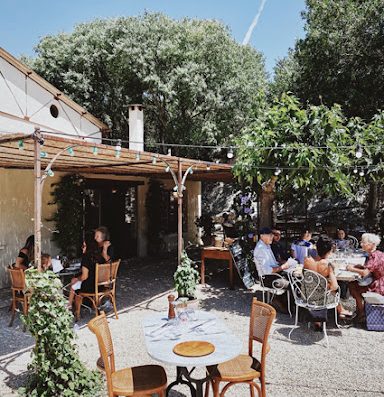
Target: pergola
(46, 153)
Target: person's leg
(356, 292)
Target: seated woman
(26, 254)
(321, 265)
(340, 241)
(46, 262)
(86, 281)
(374, 267)
(300, 248)
(105, 247)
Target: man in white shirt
(266, 263)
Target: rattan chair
(18, 295)
(105, 286)
(246, 368)
(143, 380)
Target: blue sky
(24, 22)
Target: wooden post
(179, 212)
(37, 210)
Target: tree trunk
(373, 200)
(267, 198)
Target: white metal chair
(353, 242)
(310, 291)
(276, 288)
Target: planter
(185, 303)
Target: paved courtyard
(301, 367)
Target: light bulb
(208, 167)
(167, 169)
(355, 170)
(277, 171)
(154, 161)
(43, 155)
(230, 153)
(169, 152)
(118, 145)
(117, 153)
(217, 161)
(95, 150)
(20, 144)
(50, 172)
(361, 173)
(191, 171)
(137, 156)
(70, 151)
(359, 152)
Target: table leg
(231, 284)
(202, 271)
(183, 376)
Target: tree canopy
(196, 82)
(310, 150)
(341, 58)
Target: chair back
(99, 326)
(353, 242)
(17, 278)
(106, 274)
(262, 317)
(309, 288)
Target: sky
(24, 22)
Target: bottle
(171, 307)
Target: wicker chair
(105, 286)
(18, 295)
(245, 368)
(143, 380)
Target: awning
(82, 156)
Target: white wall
(23, 98)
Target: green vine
(68, 196)
(56, 370)
(186, 277)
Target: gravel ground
(303, 366)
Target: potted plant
(186, 278)
(205, 221)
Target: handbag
(365, 281)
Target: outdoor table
(340, 263)
(216, 253)
(207, 328)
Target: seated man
(278, 251)
(266, 263)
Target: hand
(284, 266)
(106, 244)
(74, 280)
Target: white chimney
(136, 127)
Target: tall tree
(196, 82)
(341, 58)
(307, 151)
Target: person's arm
(293, 251)
(83, 276)
(280, 268)
(104, 252)
(362, 272)
(333, 284)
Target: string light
(43, 155)
(50, 172)
(277, 171)
(355, 170)
(361, 173)
(208, 167)
(191, 171)
(95, 150)
(154, 160)
(359, 152)
(169, 152)
(118, 145)
(230, 153)
(217, 161)
(167, 169)
(70, 151)
(137, 156)
(117, 153)
(20, 144)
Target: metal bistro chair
(18, 294)
(245, 368)
(105, 286)
(310, 291)
(275, 289)
(353, 242)
(142, 380)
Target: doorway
(113, 204)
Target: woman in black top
(26, 254)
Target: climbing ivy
(56, 370)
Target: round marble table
(162, 335)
